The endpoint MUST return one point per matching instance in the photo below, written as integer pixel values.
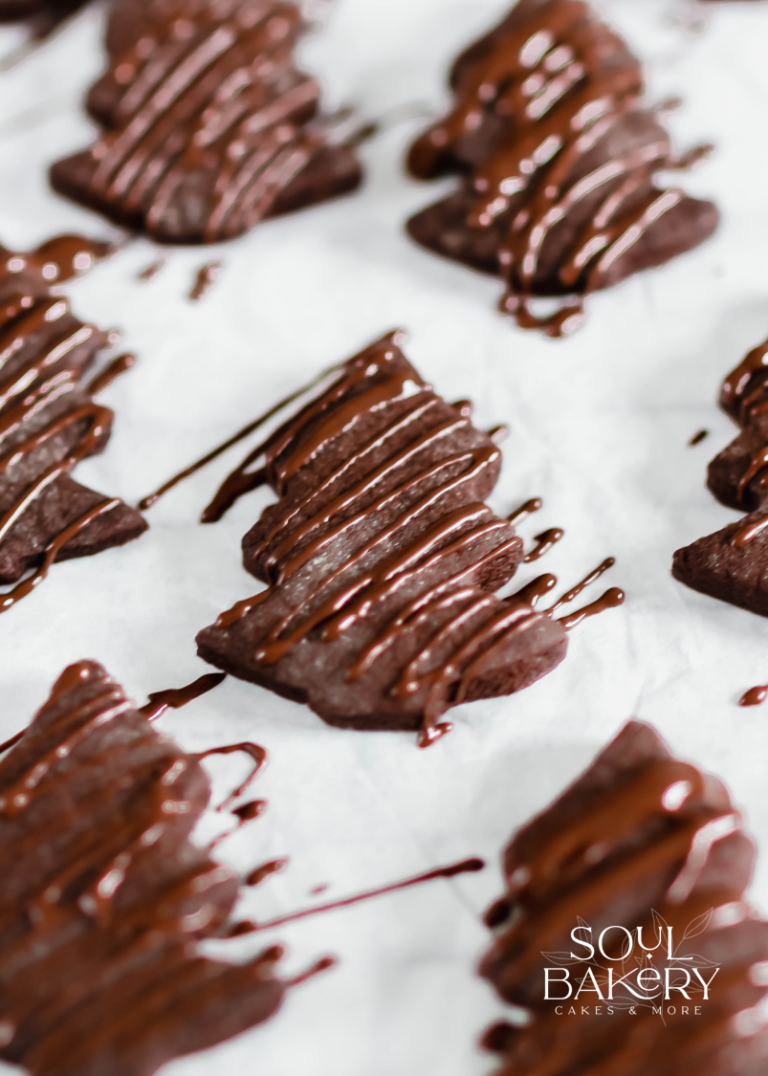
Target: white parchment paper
(599, 428)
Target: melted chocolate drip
(535, 504)
(206, 278)
(103, 898)
(464, 867)
(57, 260)
(419, 443)
(698, 438)
(645, 841)
(257, 755)
(209, 125)
(548, 121)
(756, 696)
(266, 870)
(151, 270)
(110, 373)
(544, 542)
(175, 698)
(612, 599)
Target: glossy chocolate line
(572, 594)
(246, 431)
(452, 871)
(266, 870)
(258, 756)
(733, 391)
(612, 599)
(175, 698)
(58, 259)
(745, 533)
(698, 438)
(756, 696)
(535, 504)
(544, 542)
(110, 373)
(207, 276)
(151, 271)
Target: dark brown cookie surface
(209, 125)
(103, 898)
(49, 421)
(642, 841)
(559, 158)
(382, 559)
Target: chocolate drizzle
(206, 278)
(103, 899)
(151, 271)
(756, 696)
(175, 698)
(381, 482)
(544, 542)
(209, 125)
(642, 840)
(48, 421)
(560, 156)
(465, 866)
(59, 259)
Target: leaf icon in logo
(561, 960)
(698, 925)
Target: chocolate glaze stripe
(747, 532)
(535, 504)
(110, 373)
(544, 542)
(734, 398)
(465, 866)
(59, 259)
(756, 696)
(175, 698)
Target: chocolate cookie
(642, 852)
(209, 125)
(49, 420)
(732, 564)
(558, 157)
(382, 559)
(103, 898)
